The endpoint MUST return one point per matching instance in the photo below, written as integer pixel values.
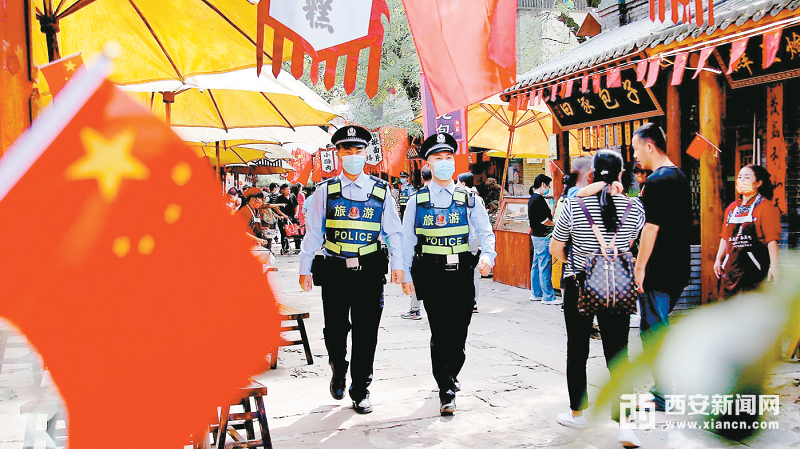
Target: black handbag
(609, 283)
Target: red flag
(116, 294)
(698, 146)
(614, 78)
(523, 101)
(737, 50)
(394, 142)
(316, 172)
(704, 54)
(302, 167)
(58, 73)
(463, 48)
(512, 103)
(641, 70)
(539, 96)
(568, 89)
(553, 92)
(772, 41)
(596, 80)
(678, 68)
(652, 72)
(485, 157)
(585, 84)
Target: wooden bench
(231, 423)
(291, 314)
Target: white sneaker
(554, 302)
(576, 422)
(533, 298)
(628, 438)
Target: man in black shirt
(290, 205)
(541, 223)
(662, 266)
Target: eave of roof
(645, 35)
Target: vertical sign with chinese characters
(776, 145)
(327, 161)
(452, 123)
(374, 152)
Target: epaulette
(464, 196)
(423, 196)
(379, 181)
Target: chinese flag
(614, 78)
(772, 41)
(652, 72)
(737, 50)
(698, 146)
(316, 172)
(678, 68)
(120, 299)
(641, 70)
(58, 73)
(466, 48)
(302, 167)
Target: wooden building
(637, 70)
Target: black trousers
(358, 296)
(614, 329)
(448, 298)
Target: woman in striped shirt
(572, 226)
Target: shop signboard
(748, 70)
(630, 101)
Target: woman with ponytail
(606, 201)
(748, 248)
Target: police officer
(346, 216)
(436, 230)
(406, 190)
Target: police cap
(437, 143)
(351, 136)
(403, 174)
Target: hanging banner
(374, 152)
(776, 145)
(631, 101)
(325, 30)
(327, 161)
(452, 123)
(749, 69)
(302, 167)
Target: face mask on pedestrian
(404, 181)
(546, 192)
(444, 169)
(353, 163)
(745, 188)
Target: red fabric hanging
(704, 54)
(585, 84)
(596, 80)
(772, 41)
(737, 50)
(652, 72)
(614, 78)
(678, 68)
(641, 70)
(567, 89)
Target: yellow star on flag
(108, 161)
(70, 66)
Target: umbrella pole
(219, 169)
(511, 130)
(169, 98)
(49, 26)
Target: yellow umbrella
(160, 39)
(494, 127)
(239, 152)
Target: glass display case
(513, 215)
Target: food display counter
(513, 263)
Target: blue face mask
(444, 169)
(404, 181)
(546, 192)
(353, 163)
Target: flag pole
(219, 169)
(511, 128)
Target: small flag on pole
(58, 73)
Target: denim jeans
(654, 307)
(542, 269)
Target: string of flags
(648, 70)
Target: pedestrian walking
(662, 265)
(406, 190)
(290, 208)
(748, 248)
(348, 214)
(438, 221)
(414, 311)
(541, 223)
(619, 220)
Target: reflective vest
(442, 230)
(402, 199)
(352, 227)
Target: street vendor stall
(513, 264)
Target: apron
(747, 262)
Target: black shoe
(448, 408)
(338, 383)
(363, 407)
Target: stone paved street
(513, 384)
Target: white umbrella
(312, 136)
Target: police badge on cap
(437, 143)
(351, 136)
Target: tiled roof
(642, 34)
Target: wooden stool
(291, 314)
(231, 422)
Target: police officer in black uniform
(346, 217)
(406, 190)
(439, 266)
